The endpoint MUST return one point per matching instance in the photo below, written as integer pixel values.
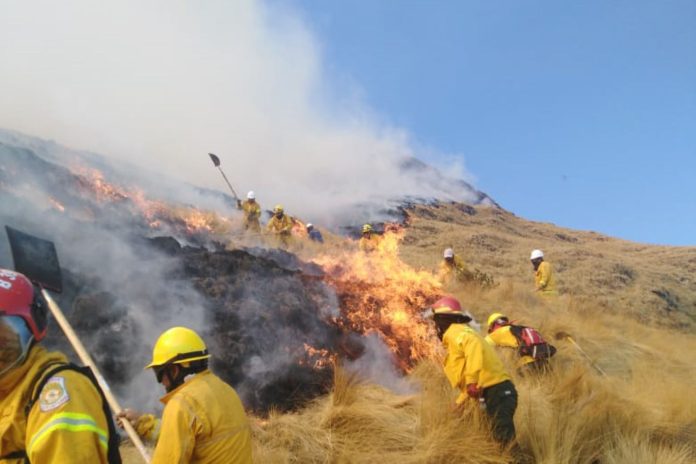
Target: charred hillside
(136, 264)
(259, 333)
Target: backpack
(532, 343)
(113, 455)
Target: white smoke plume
(162, 83)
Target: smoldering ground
(267, 315)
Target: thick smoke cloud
(162, 83)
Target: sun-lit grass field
(629, 307)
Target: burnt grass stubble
(261, 307)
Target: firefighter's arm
(177, 434)
(288, 224)
(502, 337)
(147, 425)
(67, 423)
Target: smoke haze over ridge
(160, 84)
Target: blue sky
(578, 113)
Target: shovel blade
(214, 159)
(36, 258)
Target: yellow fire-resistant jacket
(448, 273)
(66, 424)
(368, 243)
(544, 279)
(252, 213)
(203, 422)
(282, 228)
(470, 360)
(502, 336)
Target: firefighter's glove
(473, 390)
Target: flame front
(155, 213)
(381, 294)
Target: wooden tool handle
(87, 360)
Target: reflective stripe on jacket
(203, 422)
(65, 425)
(470, 360)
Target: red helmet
(19, 298)
(447, 305)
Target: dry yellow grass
(642, 411)
(655, 284)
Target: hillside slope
(655, 284)
(635, 413)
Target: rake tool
(566, 336)
(37, 259)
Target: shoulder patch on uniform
(54, 394)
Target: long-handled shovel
(216, 161)
(566, 336)
(37, 259)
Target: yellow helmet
(178, 345)
(494, 317)
(366, 228)
(278, 209)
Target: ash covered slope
(413, 182)
(123, 287)
(267, 315)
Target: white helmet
(449, 253)
(536, 254)
(251, 195)
(309, 225)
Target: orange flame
(56, 204)
(381, 294)
(155, 213)
(318, 358)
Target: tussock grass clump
(359, 422)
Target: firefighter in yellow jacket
(369, 241)
(473, 367)
(252, 213)
(50, 411)
(499, 335)
(280, 226)
(533, 351)
(544, 280)
(203, 419)
(452, 268)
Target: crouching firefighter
(533, 351)
(203, 419)
(50, 411)
(473, 367)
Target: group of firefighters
(55, 412)
(472, 365)
(280, 225)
